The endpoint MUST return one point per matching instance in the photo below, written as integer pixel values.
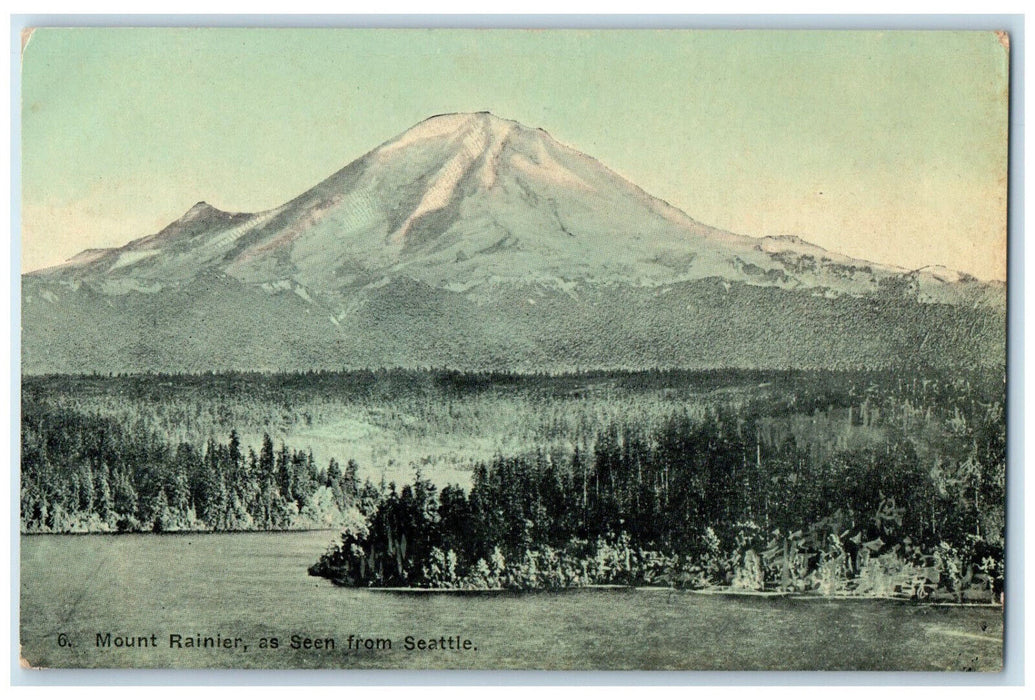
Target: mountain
(471, 241)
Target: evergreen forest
(883, 483)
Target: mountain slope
(473, 241)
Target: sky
(886, 146)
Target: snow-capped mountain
(474, 241)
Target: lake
(209, 601)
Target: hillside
(474, 242)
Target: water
(247, 587)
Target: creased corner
(26, 36)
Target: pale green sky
(890, 146)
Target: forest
(841, 483)
(90, 474)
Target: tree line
(701, 503)
(89, 473)
(890, 482)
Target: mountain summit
(471, 241)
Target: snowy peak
(475, 132)
(465, 201)
(472, 241)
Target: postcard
(510, 349)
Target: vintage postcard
(507, 349)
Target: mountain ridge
(461, 210)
